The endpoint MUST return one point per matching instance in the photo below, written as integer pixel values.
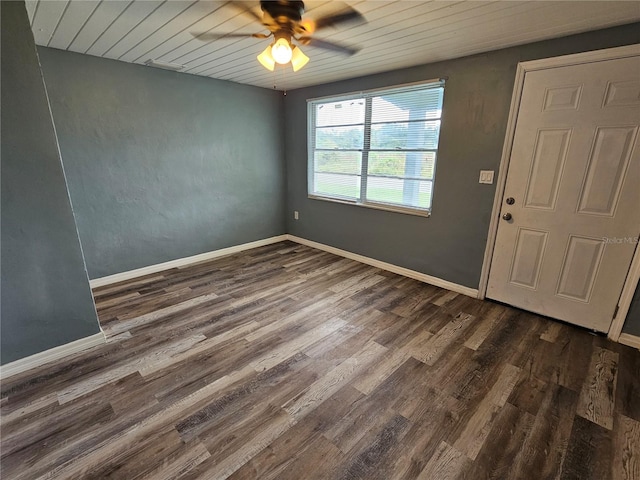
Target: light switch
(486, 176)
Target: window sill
(375, 206)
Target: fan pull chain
(283, 76)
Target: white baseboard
(181, 262)
(56, 353)
(629, 340)
(423, 277)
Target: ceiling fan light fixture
(281, 51)
(308, 25)
(298, 59)
(283, 19)
(266, 60)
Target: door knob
(507, 216)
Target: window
(376, 148)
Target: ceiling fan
(284, 21)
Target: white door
(574, 180)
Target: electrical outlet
(295, 215)
(486, 176)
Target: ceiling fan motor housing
(282, 11)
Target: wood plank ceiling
(397, 34)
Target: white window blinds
(376, 148)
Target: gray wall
(46, 300)
(163, 165)
(632, 323)
(451, 243)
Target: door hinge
(615, 312)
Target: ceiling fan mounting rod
(283, 33)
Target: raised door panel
(580, 268)
(549, 155)
(622, 93)
(527, 258)
(606, 169)
(562, 98)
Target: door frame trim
(522, 69)
(628, 290)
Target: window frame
(367, 96)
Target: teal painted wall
(164, 165)
(46, 299)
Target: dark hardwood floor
(285, 362)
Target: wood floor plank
(111, 375)
(110, 290)
(473, 437)
(243, 399)
(125, 439)
(544, 448)
(370, 379)
(11, 414)
(150, 317)
(529, 393)
(447, 463)
(415, 299)
(552, 331)
(486, 324)
(59, 422)
(250, 436)
(626, 449)
(129, 395)
(146, 455)
(106, 303)
(321, 453)
(365, 416)
(278, 355)
(588, 455)
(432, 420)
(180, 463)
(286, 362)
(444, 298)
(505, 441)
(370, 453)
(628, 385)
(160, 364)
(435, 346)
(598, 391)
(334, 380)
(475, 376)
(573, 366)
(281, 453)
(401, 330)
